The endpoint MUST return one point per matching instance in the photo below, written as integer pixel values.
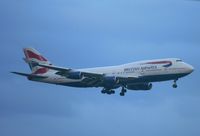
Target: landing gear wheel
(107, 91)
(122, 94)
(174, 86)
(112, 92)
(103, 91)
(123, 91)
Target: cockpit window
(179, 60)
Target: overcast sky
(90, 33)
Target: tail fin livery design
(32, 56)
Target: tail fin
(32, 56)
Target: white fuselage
(148, 71)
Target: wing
(90, 78)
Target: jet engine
(140, 86)
(110, 82)
(75, 75)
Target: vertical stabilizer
(32, 56)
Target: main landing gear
(123, 91)
(107, 91)
(175, 85)
(110, 91)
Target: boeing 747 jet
(131, 76)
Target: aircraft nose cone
(190, 68)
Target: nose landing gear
(175, 85)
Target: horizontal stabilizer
(29, 75)
(54, 67)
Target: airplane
(131, 76)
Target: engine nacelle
(110, 82)
(140, 86)
(75, 75)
